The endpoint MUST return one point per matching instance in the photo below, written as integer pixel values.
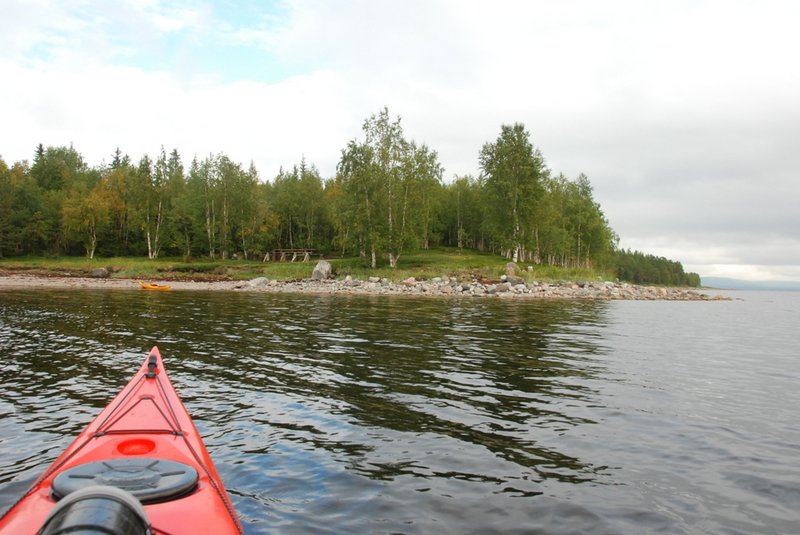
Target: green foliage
(298, 202)
(190, 267)
(55, 168)
(385, 192)
(86, 212)
(6, 204)
(463, 214)
(387, 200)
(641, 268)
(514, 172)
(693, 279)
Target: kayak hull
(152, 286)
(146, 420)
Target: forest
(387, 197)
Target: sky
(685, 115)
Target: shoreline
(437, 287)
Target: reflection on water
(364, 414)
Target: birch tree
(86, 211)
(357, 209)
(383, 181)
(513, 171)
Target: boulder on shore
(257, 282)
(322, 271)
(514, 280)
(100, 273)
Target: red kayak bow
(140, 465)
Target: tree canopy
(387, 196)
(386, 184)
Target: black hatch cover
(149, 480)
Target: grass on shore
(421, 264)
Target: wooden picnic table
(282, 255)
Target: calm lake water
(396, 415)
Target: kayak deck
(146, 425)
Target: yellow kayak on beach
(154, 286)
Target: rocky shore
(507, 287)
(503, 288)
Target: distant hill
(736, 284)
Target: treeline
(386, 197)
(641, 268)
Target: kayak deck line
(145, 434)
(174, 426)
(148, 431)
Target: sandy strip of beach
(55, 282)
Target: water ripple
(394, 415)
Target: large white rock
(257, 282)
(322, 271)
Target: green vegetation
(420, 264)
(641, 268)
(386, 212)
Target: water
(398, 415)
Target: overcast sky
(685, 115)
